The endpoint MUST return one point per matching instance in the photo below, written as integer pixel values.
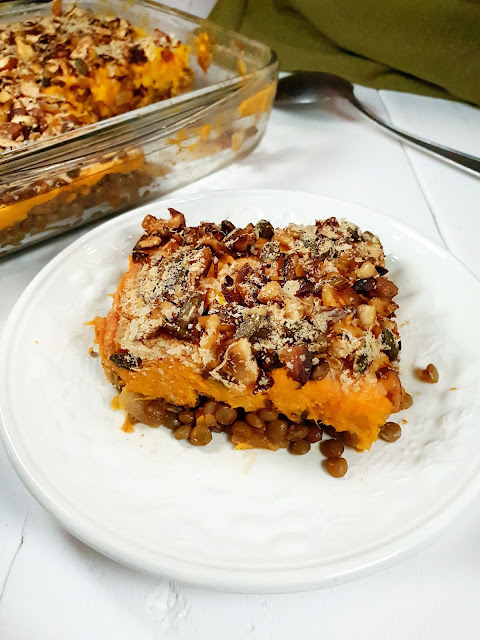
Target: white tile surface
(53, 587)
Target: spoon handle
(468, 163)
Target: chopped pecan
(160, 226)
(217, 246)
(299, 363)
(367, 270)
(177, 220)
(8, 63)
(11, 130)
(269, 360)
(211, 325)
(239, 365)
(230, 291)
(263, 382)
(385, 288)
(364, 286)
(192, 235)
(139, 256)
(248, 283)
(204, 259)
(149, 242)
(137, 55)
(305, 287)
(241, 240)
(289, 267)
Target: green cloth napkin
(431, 47)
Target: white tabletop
(54, 587)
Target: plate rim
(201, 575)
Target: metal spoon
(310, 87)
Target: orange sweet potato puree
(360, 410)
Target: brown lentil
(315, 434)
(57, 209)
(200, 436)
(171, 421)
(299, 447)
(297, 432)
(218, 428)
(336, 467)
(255, 421)
(332, 448)
(182, 432)
(267, 415)
(210, 407)
(390, 432)
(330, 431)
(406, 401)
(187, 417)
(242, 429)
(350, 439)
(226, 415)
(277, 430)
(429, 374)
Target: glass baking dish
(102, 169)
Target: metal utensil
(311, 87)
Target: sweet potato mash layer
(268, 334)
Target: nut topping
(253, 306)
(75, 68)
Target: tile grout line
(14, 557)
(407, 151)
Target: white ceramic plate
(252, 521)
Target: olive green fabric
(431, 47)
